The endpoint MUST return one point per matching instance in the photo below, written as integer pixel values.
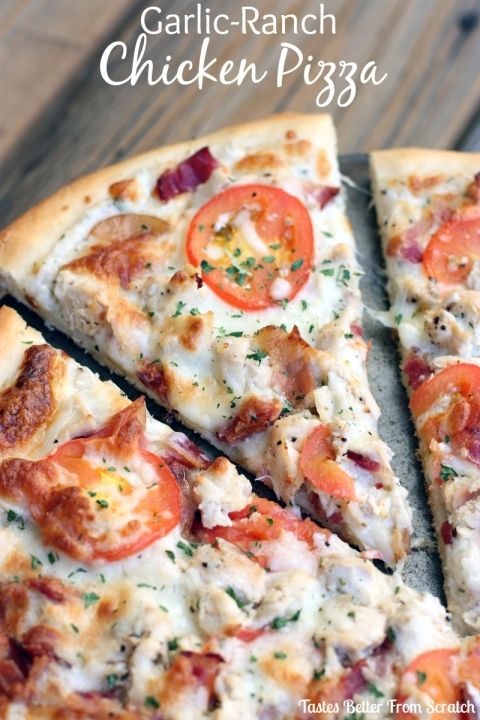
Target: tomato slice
(260, 521)
(104, 497)
(450, 254)
(433, 673)
(254, 245)
(317, 463)
(463, 379)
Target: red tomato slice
(111, 498)
(246, 238)
(461, 421)
(452, 250)
(260, 521)
(463, 379)
(433, 673)
(317, 463)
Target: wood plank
(43, 45)
(428, 99)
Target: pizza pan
(422, 570)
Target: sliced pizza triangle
(220, 277)
(428, 205)
(140, 580)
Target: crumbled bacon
(50, 587)
(294, 361)
(416, 369)
(447, 532)
(190, 671)
(363, 461)
(187, 176)
(152, 375)
(255, 415)
(41, 641)
(412, 252)
(186, 452)
(15, 666)
(356, 330)
(322, 194)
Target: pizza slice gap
(220, 277)
(428, 207)
(137, 575)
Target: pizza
(220, 277)
(428, 205)
(141, 579)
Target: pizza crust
(30, 238)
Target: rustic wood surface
(60, 119)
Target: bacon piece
(50, 587)
(41, 641)
(124, 190)
(29, 403)
(447, 532)
(295, 362)
(416, 369)
(255, 415)
(15, 665)
(191, 670)
(363, 461)
(13, 607)
(186, 452)
(322, 194)
(152, 375)
(187, 176)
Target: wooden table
(59, 118)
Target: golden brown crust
(31, 238)
(29, 404)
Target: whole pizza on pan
(220, 277)
(139, 579)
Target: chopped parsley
(296, 265)
(304, 305)
(421, 677)
(280, 655)
(343, 276)
(53, 557)
(102, 503)
(231, 592)
(391, 634)
(74, 628)
(170, 555)
(258, 356)
(90, 599)
(150, 701)
(398, 319)
(206, 267)
(318, 674)
(180, 306)
(236, 333)
(373, 690)
(187, 549)
(280, 622)
(447, 472)
(112, 681)
(35, 562)
(173, 645)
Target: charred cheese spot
(123, 261)
(255, 415)
(299, 148)
(124, 190)
(258, 162)
(324, 167)
(29, 404)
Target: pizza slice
(428, 205)
(139, 579)
(220, 277)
